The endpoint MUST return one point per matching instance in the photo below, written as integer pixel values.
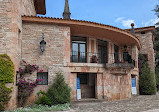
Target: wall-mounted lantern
(125, 47)
(42, 43)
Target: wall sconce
(42, 43)
(125, 47)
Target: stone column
(99, 86)
(73, 85)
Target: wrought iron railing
(89, 57)
(122, 59)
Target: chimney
(132, 28)
(66, 13)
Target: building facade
(103, 57)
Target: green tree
(157, 12)
(156, 48)
(59, 92)
(147, 81)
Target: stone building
(103, 57)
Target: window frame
(43, 73)
(79, 40)
(103, 55)
(116, 53)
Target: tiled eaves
(33, 18)
(74, 20)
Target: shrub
(4, 96)
(43, 99)
(43, 108)
(6, 69)
(6, 76)
(59, 92)
(157, 78)
(147, 83)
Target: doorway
(87, 85)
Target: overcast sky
(119, 13)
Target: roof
(40, 6)
(149, 28)
(87, 28)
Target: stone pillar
(99, 86)
(73, 85)
(67, 43)
(110, 52)
(135, 55)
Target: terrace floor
(135, 104)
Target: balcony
(121, 65)
(114, 62)
(127, 61)
(88, 57)
(87, 61)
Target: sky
(118, 13)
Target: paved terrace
(135, 104)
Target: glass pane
(99, 53)
(43, 76)
(102, 54)
(82, 52)
(74, 47)
(39, 77)
(75, 52)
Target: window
(83, 78)
(125, 56)
(116, 53)
(79, 53)
(44, 77)
(142, 32)
(102, 51)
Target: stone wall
(57, 44)
(107, 86)
(147, 47)
(56, 54)
(10, 32)
(117, 86)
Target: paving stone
(143, 103)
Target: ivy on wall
(6, 76)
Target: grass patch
(41, 108)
